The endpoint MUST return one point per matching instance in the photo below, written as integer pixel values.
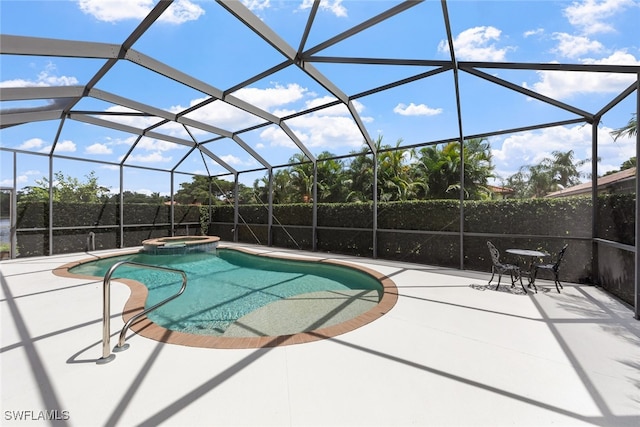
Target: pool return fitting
(107, 356)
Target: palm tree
(359, 176)
(394, 175)
(564, 168)
(331, 179)
(438, 170)
(478, 168)
(281, 188)
(551, 174)
(301, 177)
(395, 181)
(630, 129)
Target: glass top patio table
(528, 252)
(532, 254)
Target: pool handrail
(107, 356)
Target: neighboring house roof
(500, 190)
(604, 182)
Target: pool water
(226, 285)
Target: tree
(551, 174)
(331, 179)
(302, 177)
(478, 168)
(135, 197)
(438, 170)
(628, 164)
(630, 129)
(66, 189)
(564, 168)
(197, 191)
(283, 191)
(395, 181)
(359, 176)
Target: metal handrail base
(119, 348)
(105, 360)
(107, 356)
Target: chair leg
(557, 282)
(493, 273)
(522, 284)
(532, 280)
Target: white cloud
(64, 147)
(256, 5)
(222, 115)
(142, 122)
(230, 159)
(276, 138)
(182, 11)
(477, 44)
(128, 141)
(156, 145)
(529, 148)
(46, 77)
(31, 144)
(275, 96)
(155, 157)
(118, 10)
(328, 128)
(327, 131)
(590, 15)
(37, 144)
(21, 179)
(565, 84)
(323, 100)
(572, 46)
(536, 32)
(416, 110)
(333, 6)
(98, 148)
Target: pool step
(305, 312)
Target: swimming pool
(229, 290)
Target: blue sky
(202, 39)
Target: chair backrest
(495, 254)
(556, 266)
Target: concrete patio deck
(450, 352)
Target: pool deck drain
(303, 313)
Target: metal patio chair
(500, 268)
(555, 268)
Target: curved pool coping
(148, 329)
(176, 242)
(187, 240)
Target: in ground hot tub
(180, 245)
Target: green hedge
(104, 220)
(415, 231)
(568, 217)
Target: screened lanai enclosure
(407, 130)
